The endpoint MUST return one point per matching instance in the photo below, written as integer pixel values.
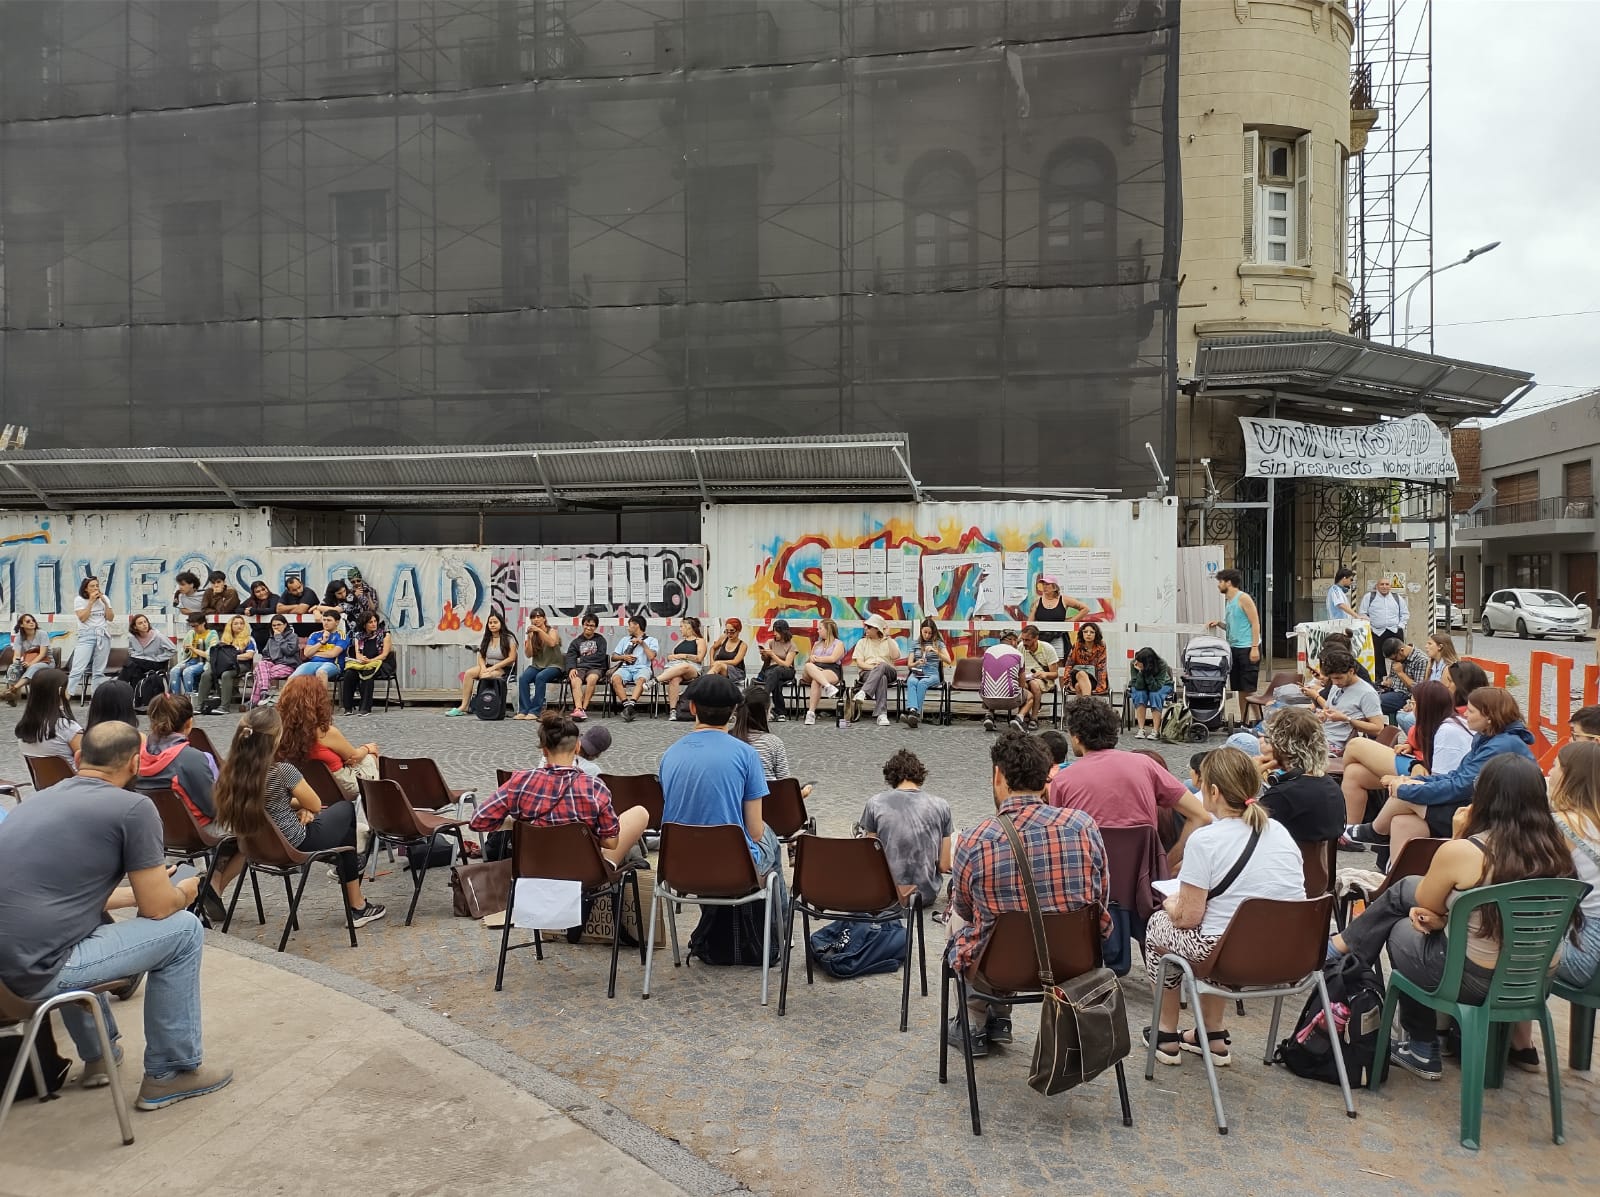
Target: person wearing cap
(192, 657)
(777, 666)
(876, 656)
(711, 778)
(1339, 605)
(1052, 607)
(220, 598)
(592, 744)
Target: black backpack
(54, 1065)
(147, 688)
(1355, 986)
(489, 703)
(732, 935)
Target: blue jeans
(917, 688)
(312, 668)
(530, 687)
(183, 677)
(168, 950)
(767, 854)
(89, 657)
(1578, 964)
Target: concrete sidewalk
(334, 1091)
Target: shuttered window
(1577, 480)
(1516, 488)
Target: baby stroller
(1205, 665)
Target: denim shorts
(1151, 698)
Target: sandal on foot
(1222, 1059)
(1164, 1037)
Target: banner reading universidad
(1410, 448)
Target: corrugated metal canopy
(534, 476)
(1334, 373)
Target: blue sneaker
(1419, 1059)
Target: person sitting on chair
(324, 651)
(308, 734)
(913, 826)
(1191, 921)
(750, 725)
(496, 662)
(876, 655)
(370, 647)
(558, 791)
(1294, 767)
(1509, 835)
(1086, 670)
(1408, 669)
(1040, 675)
(728, 653)
(30, 652)
(278, 659)
(231, 658)
(778, 656)
(219, 598)
(586, 665)
(541, 648)
(47, 727)
(193, 657)
(63, 857)
(1065, 853)
(148, 652)
(257, 789)
(635, 659)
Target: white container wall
(240, 529)
(965, 564)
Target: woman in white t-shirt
(89, 655)
(1192, 921)
(47, 727)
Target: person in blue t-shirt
(711, 778)
(324, 650)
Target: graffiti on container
(658, 582)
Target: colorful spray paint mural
(957, 562)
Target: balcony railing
(1560, 507)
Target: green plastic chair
(1580, 1042)
(1534, 917)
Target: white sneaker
(861, 696)
(829, 691)
(811, 719)
(883, 721)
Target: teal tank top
(1237, 625)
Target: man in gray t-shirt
(914, 827)
(63, 855)
(1350, 705)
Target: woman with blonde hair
(308, 734)
(1575, 800)
(1240, 854)
(256, 788)
(1441, 651)
(230, 659)
(824, 668)
(1294, 766)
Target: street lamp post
(1406, 294)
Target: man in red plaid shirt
(559, 792)
(1065, 852)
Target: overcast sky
(1515, 97)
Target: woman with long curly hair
(257, 788)
(1086, 663)
(309, 735)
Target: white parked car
(1536, 613)
(1457, 617)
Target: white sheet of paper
(602, 581)
(528, 583)
(638, 581)
(538, 902)
(656, 572)
(830, 582)
(582, 583)
(561, 595)
(547, 584)
(1166, 887)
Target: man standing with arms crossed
(1241, 627)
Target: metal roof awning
(544, 477)
(1333, 374)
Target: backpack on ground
(1356, 993)
(1178, 726)
(489, 703)
(856, 948)
(732, 935)
(439, 853)
(148, 688)
(54, 1065)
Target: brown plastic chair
(1270, 949)
(1413, 861)
(568, 852)
(1009, 965)
(501, 776)
(268, 852)
(184, 840)
(46, 771)
(1261, 699)
(23, 1017)
(709, 866)
(423, 784)
(629, 790)
(784, 810)
(1388, 735)
(1320, 860)
(199, 739)
(965, 677)
(848, 879)
(320, 778)
(395, 823)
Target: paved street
(832, 1098)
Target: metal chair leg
(255, 888)
(1338, 1055)
(1203, 1038)
(294, 902)
(1122, 1094)
(905, 985)
(650, 939)
(108, 1054)
(288, 893)
(418, 877)
(344, 905)
(633, 879)
(944, 1019)
(766, 931)
(227, 920)
(922, 946)
(616, 935)
(783, 977)
(964, 1016)
(505, 942)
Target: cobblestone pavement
(832, 1099)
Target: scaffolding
(1392, 219)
